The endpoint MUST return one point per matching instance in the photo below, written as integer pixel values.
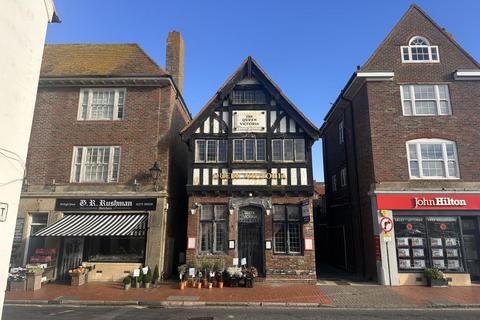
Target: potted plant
(139, 279)
(147, 278)
(182, 271)
(234, 273)
(435, 277)
(127, 282)
(156, 276)
(219, 268)
(250, 273)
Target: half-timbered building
(250, 181)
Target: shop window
(419, 50)
(287, 229)
(101, 104)
(432, 159)
(210, 151)
(425, 100)
(249, 150)
(213, 229)
(288, 150)
(428, 242)
(114, 249)
(96, 164)
(38, 222)
(248, 97)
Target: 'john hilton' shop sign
(428, 202)
(101, 204)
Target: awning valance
(88, 225)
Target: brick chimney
(175, 57)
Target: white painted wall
(23, 26)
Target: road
(13, 312)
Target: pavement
(328, 294)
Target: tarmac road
(40, 312)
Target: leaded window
(288, 150)
(213, 228)
(96, 164)
(287, 229)
(249, 150)
(101, 104)
(248, 97)
(211, 151)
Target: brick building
(401, 143)
(250, 184)
(106, 167)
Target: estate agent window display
(426, 242)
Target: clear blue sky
(309, 48)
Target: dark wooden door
(471, 244)
(250, 237)
(72, 256)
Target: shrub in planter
(156, 275)
(234, 274)
(147, 279)
(127, 282)
(435, 277)
(182, 274)
(250, 273)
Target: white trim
(376, 74)
(429, 49)
(466, 75)
(90, 99)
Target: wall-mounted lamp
(268, 208)
(194, 208)
(54, 185)
(136, 185)
(155, 172)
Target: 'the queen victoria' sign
(249, 121)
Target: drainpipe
(354, 142)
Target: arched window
(419, 50)
(432, 159)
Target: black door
(471, 244)
(250, 237)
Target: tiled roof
(70, 60)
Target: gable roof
(250, 67)
(411, 10)
(80, 60)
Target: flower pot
(147, 285)
(199, 285)
(233, 282)
(210, 285)
(194, 283)
(182, 285)
(127, 286)
(437, 282)
(137, 284)
(204, 283)
(220, 284)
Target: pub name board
(106, 204)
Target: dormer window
(419, 50)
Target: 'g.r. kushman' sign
(101, 204)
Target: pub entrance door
(250, 237)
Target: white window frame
(294, 151)
(334, 183)
(411, 89)
(90, 91)
(428, 46)
(82, 166)
(443, 142)
(217, 146)
(343, 177)
(244, 149)
(341, 138)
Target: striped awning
(89, 225)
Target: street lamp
(155, 172)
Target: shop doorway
(471, 243)
(250, 237)
(71, 256)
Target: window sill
(434, 178)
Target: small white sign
(191, 272)
(3, 211)
(308, 244)
(136, 273)
(235, 261)
(191, 243)
(231, 244)
(268, 245)
(145, 270)
(244, 261)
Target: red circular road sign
(386, 224)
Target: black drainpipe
(350, 102)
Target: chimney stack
(175, 57)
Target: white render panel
(206, 126)
(246, 181)
(224, 181)
(216, 124)
(225, 119)
(205, 177)
(293, 176)
(293, 127)
(274, 181)
(198, 130)
(303, 176)
(196, 177)
(273, 117)
(284, 172)
(214, 177)
(283, 125)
